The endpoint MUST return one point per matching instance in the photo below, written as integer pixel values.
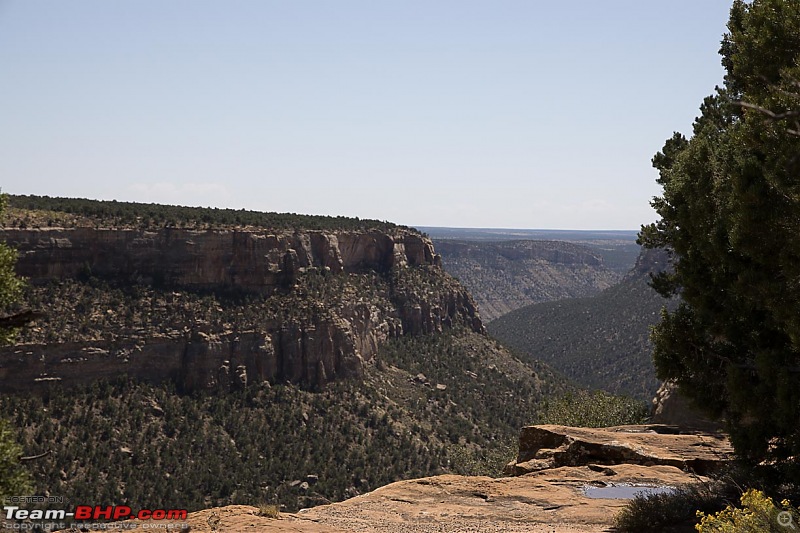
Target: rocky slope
(506, 275)
(306, 333)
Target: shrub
(269, 510)
(758, 513)
(488, 460)
(655, 511)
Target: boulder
(549, 446)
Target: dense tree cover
(156, 215)
(730, 214)
(148, 446)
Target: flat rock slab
(550, 446)
(550, 501)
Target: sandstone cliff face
(248, 260)
(306, 342)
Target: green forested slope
(601, 342)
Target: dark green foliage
(600, 342)
(593, 410)
(15, 480)
(730, 215)
(660, 512)
(113, 213)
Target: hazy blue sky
(493, 113)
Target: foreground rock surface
(551, 501)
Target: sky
(457, 113)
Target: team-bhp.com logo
(86, 513)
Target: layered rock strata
(256, 261)
(310, 346)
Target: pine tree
(730, 216)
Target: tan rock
(253, 260)
(550, 446)
(551, 501)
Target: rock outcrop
(257, 261)
(548, 446)
(311, 343)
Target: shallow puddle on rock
(624, 492)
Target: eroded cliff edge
(319, 304)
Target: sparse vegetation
(487, 461)
(269, 510)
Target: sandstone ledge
(550, 446)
